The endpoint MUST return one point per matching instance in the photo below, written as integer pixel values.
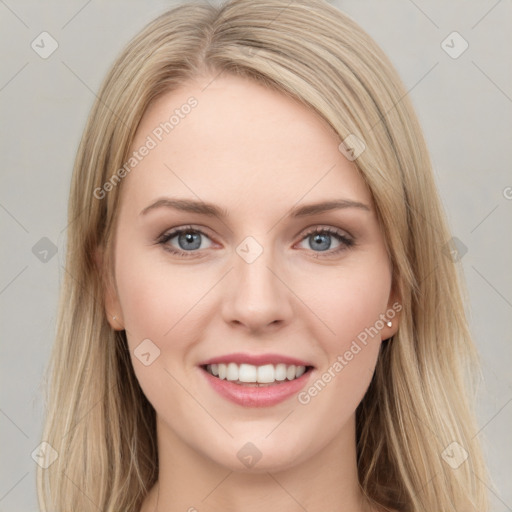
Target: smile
(248, 374)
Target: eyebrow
(210, 210)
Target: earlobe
(110, 298)
(393, 314)
(390, 329)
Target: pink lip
(254, 396)
(256, 360)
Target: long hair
(418, 411)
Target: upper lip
(256, 359)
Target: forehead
(240, 144)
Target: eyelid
(325, 227)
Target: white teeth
(247, 373)
(232, 371)
(280, 373)
(264, 374)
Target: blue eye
(189, 240)
(321, 239)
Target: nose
(257, 297)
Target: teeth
(280, 372)
(290, 372)
(232, 372)
(264, 374)
(248, 373)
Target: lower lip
(257, 396)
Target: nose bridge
(258, 297)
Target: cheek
(154, 300)
(161, 304)
(348, 301)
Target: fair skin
(256, 154)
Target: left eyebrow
(187, 205)
(211, 210)
(314, 208)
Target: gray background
(464, 105)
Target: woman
(257, 310)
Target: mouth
(257, 380)
(248, 375)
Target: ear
(393, 313)
(110, 295)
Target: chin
(263, 456)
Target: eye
(320, 240)
(188, 241)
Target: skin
(257, 154)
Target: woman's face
(266, 278)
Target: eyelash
(346, 242)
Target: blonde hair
(420, 400)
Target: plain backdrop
(463, 100)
